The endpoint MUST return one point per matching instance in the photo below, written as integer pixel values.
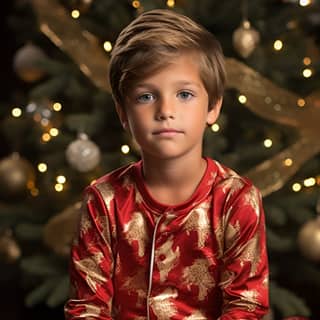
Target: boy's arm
(244, 278)
(91, 265)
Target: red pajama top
(136, 258)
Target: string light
(75, 14)
(309, 182)
(242, 99)
(306, 61)
(307, 73)
(170, 3)
(288, 162)
(267, 143)
(278, 45)
(304, 3)
(61, 179)
(296, 187)
(42, 167)
(16, 112)
(45, 137)
(54, 132)
(125, 149)
(215, 127)
(58, 187)
(57, 106)
(301, 103)
(136, 4)
(107, 46)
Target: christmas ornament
(25, 63)
(263, 97)
(309, 237)
(59, 231)
(83, 154)
(245, 39)
(16, 174)
(9, 249)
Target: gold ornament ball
(309, 239)
(16, 174)
(25, 63)
(245, 39)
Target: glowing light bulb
(107, 46)
(16, 112)
(304, 3)
(278, 45)
(42, 167)
(136, 4)
(57, 106)
(242, 99)
(125, 149)
(58, 187)
(309, 182)
(288, 162)
(267, 143)
(61, 179)
(75, 14)
(296, 187)
(307, 73)
(215, 127)
(301, 102)
(170, 3)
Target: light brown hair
(150, 41)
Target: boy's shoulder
(116, 178)
(226, 176)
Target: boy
(175, 235)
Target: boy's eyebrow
(177, 83)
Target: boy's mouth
(167, 132)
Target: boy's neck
(173, 181)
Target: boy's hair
(150, 41)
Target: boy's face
(168, 112)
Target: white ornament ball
(83, 154)
(309, 239)
(25, 63)
(245, 39)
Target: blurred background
(59, 132)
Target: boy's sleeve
(244, 278)
(91, 265)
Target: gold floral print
(136, 230)
(170, 258)
(137, 284)
(252, 199)
(107, 193)
(198, 221)
(198, 274)
(163, 304)
(90, 266)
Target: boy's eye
(185, 95)
(146, 97)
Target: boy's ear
(214, 112)
(122, 115)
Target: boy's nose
(165, 110)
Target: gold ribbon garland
(263, 97)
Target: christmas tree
(59, 132)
